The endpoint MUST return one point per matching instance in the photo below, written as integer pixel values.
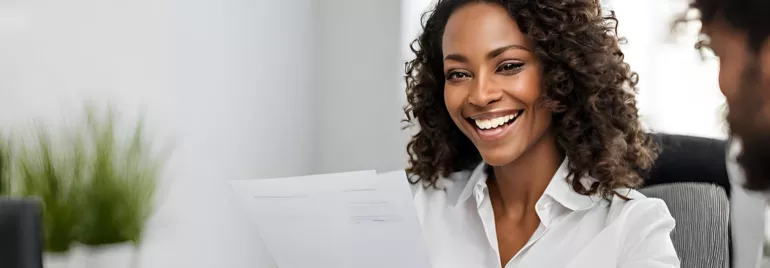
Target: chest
(513, 235)
(470, 237)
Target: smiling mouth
(493, 128)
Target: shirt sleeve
(648, 236)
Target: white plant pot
(122, 255)
(57, 260)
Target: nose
(484, 92)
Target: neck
(520, 184)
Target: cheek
(454, 99)
(526, 87)
(542, 118)
(764, 64)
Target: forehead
(481, 27)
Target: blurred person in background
(738, 32)
(529, 139)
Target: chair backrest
(689, 159)
(701, 211)
(20, 234)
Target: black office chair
(689, 159)
(690, 175)
(20, 234)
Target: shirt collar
(559, 189)
(477, 179)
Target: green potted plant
(119, 192)
(96, 188)
(52, 172)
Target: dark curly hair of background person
(587, 85)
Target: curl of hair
(587, 85)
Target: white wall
(360, 86)
(219, 75)
(242, 79)
(57, 54)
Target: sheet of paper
(355, 219)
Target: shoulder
(636, 210)
(644, 226)
(445, 192)
(421, 187)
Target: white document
(345, 220)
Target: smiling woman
(529, 139)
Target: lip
(498, 133)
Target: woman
(529, 140)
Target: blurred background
(259, 89)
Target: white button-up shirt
(575, 230)
(747, 214)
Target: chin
(499, 156)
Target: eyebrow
(492, 54)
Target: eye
(455, 75)
(509, 67)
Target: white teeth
(494, 122)
(487, 124)
(499, 121)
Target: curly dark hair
(751, 16)
(587, 85)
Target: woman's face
(493, 83)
